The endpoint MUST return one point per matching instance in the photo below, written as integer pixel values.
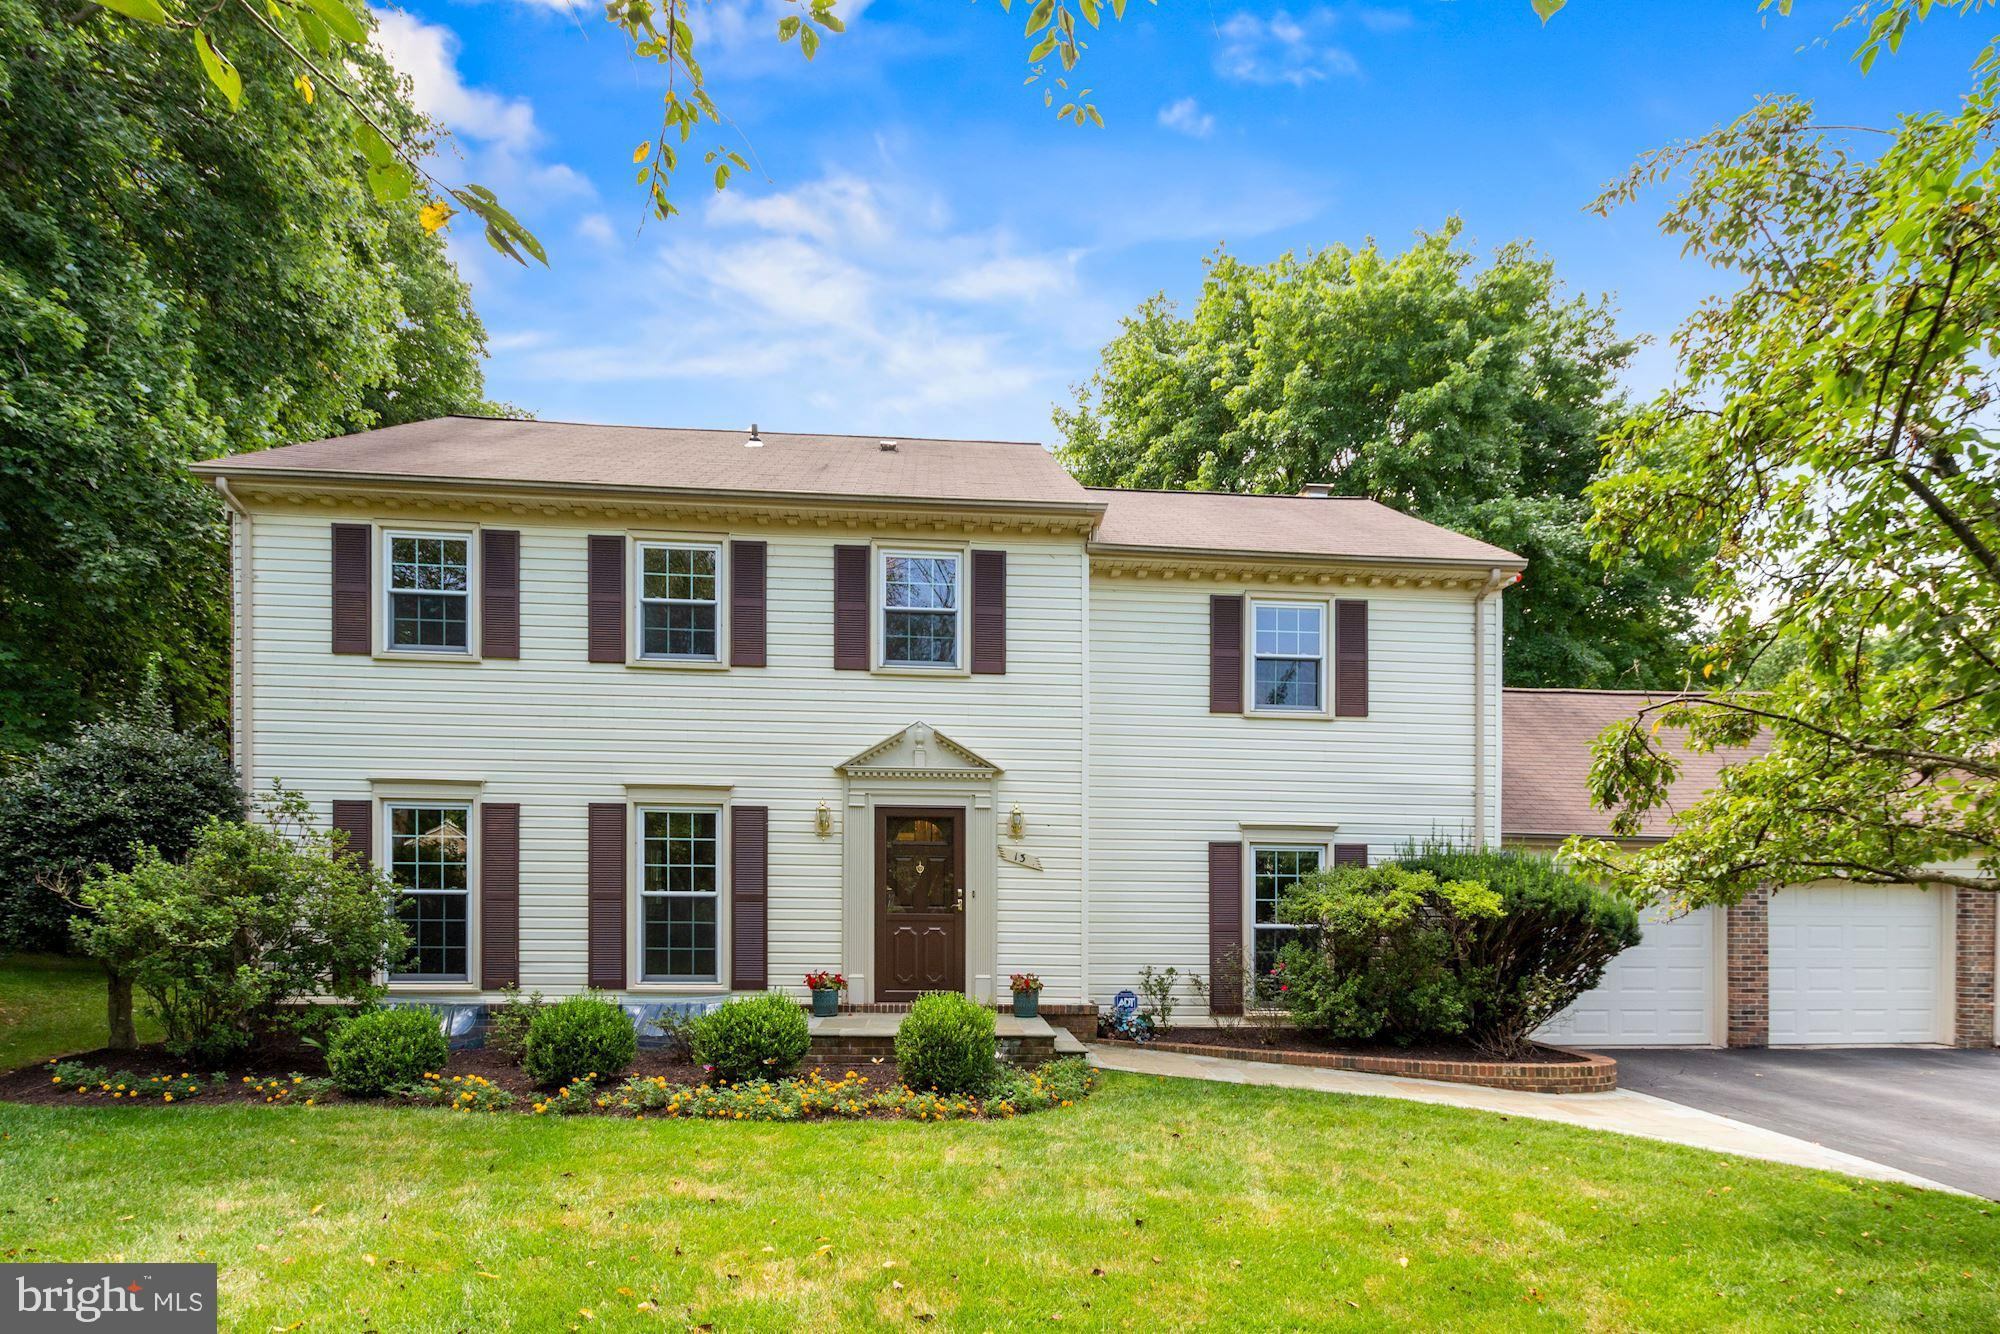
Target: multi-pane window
(1288, 643)
(920, 610)
(678, 600)
(429, 853)
(1273, 870)
(429, 589)
(678, 895)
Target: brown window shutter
(499, 593)
(989, 612)
(1225, 654)
(747, 565)
(606, 909)
(850, 609)
(607, 598)
(499, 895)
(1350, 854)
(1350, 658)
(353, 556)
(749, 897)
(357, 820)
(1225, 925)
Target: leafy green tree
(1470, 396)
(178, 281)
(1840, 494)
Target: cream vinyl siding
(1167, 777)
(554, 732)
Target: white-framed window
(1288, 657)
(680, 601)
(427, 592)
(680, 894)
(923, 608)
(430, 861)
(1275, 868)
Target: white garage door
(1857, 964)
(1661, 992)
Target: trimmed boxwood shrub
(384, 1049)
(758, 1037)
(577, 1038)
(946, 1043)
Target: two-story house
(678, 712)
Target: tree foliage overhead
(1844, 471)
(178, 281)
(1470, 396)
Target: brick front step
(853, 1036)
(1593, 1074)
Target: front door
(919, 901)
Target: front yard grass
(52, 1006)
(1155, 1203)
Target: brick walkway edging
(1593, 1074)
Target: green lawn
(1155, 1203)
(51, 1006)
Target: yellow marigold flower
(170, 1097)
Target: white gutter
(1496, 580)
(241, 641)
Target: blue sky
(925, 250)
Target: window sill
(432, 986)
(1296, 715)
(409, 655)
(677, 988)
(910, 669)
(678, 664)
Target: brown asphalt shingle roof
(490, 449)
(1545, 761)
(1348, 527)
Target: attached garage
(1858, 965)
(1663, 992)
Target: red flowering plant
(825, 981)
(1024, 982)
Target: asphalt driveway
(1929, 1111)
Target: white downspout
(1496, 579)
(242, 641)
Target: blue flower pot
(1027, 1004)
(826, 1004)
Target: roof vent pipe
(753, 442)
(886, 446)
(1318, 490)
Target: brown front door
(919, 901)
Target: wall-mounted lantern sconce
(1017, 824)
(823, 820)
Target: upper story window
(429, 591)
(429, 861)
(922, 601)
(679, 894)
(1288, 645)
(679, 600)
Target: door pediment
(919, 751)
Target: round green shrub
(946, 1043)
(576, 1039)
(382, 1049)
(759, 1037)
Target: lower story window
(429, 853)
(1273, 870)
(678, 895)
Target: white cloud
(1187, 117)
(1282, 48)
(497, 133)
(595, 227)
(1013, 278)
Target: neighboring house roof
(1546, 737)
(1319, 527)
(655, 458)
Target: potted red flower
(1027, 995)
(826, 988)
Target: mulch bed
(1268, 1038)
(280, 1059)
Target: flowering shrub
(825, 981)
(760, 1037)
(302, 1090)
(572, 1099)
(576, 1038)
(460, 1093)
(381, 1050)
(1058, 1083)
(946, 1043)
(1024, 982)
(94, 1081)
(813, 1097)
